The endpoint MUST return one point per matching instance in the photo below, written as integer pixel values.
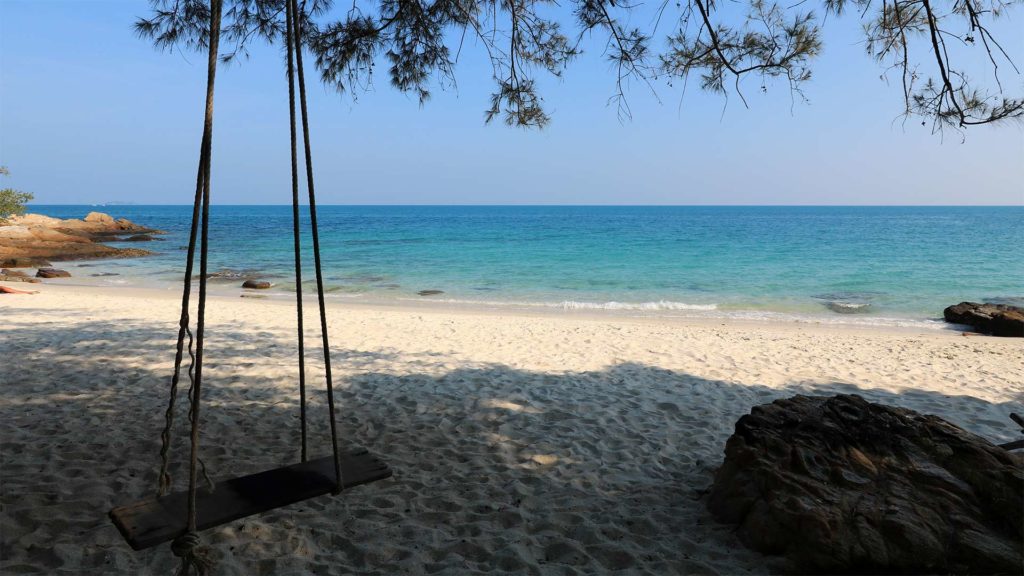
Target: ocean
(862, 265)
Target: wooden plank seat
(157, 520)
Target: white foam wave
(659, 305)
(575, 305)
(684, 309)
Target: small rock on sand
(995, 319)
(52, 273)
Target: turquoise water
(858, 263)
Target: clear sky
(89, 113)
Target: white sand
(543, 444)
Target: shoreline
(782, 321)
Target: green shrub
(12, 201)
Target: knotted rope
(189, 547)
(193, 554)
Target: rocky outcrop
(256, 284)
(25, 262)
(34, 236)
(99, 217)
(52, 273)
(995, 319)
(8, 275)
(840, 485)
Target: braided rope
(189, 546)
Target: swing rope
(297, 29)
(189, 546)
(295, 225)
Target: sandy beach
(555, 443)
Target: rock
(229, 275)
(847, 302)
(256, 284)
(99, 217)
(840, 485)
(19, 277)
(104, 274)
(17, 232)
(54, 235)
(9, 272)
(25, 262)
(37, 236)
(52, 273)
(37, 220)
(430, 292)
(139, 238)
(995, 319)
(848, 307)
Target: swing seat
(157, 520)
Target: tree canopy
(928, 44)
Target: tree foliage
(927, 42)
(11, 201)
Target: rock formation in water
(25, 240)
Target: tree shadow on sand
(497, 469)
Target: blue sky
(89, 113)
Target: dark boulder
(256, 284)
(995, 319)
(52, 273)
(841, 485)
(430, 292)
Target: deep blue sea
(845, 264)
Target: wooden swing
(179, 516)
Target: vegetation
(11, 201)
(928, 44)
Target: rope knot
(189, 547)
